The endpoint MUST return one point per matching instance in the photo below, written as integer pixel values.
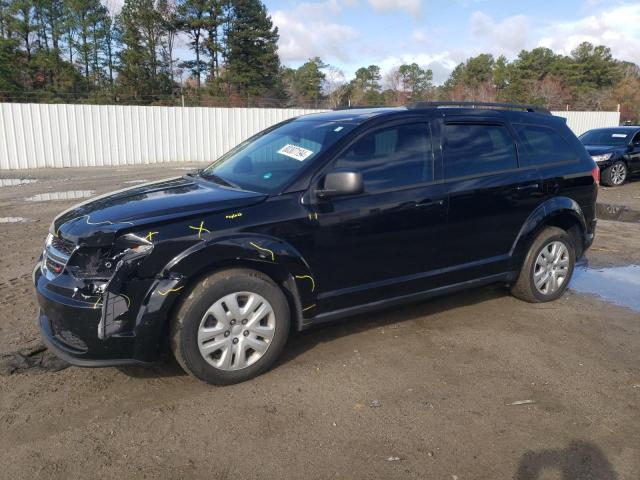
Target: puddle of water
(14, 182)
(137, 181)
(618, 285)
(53, 196)
(13, 220)
(617, 213)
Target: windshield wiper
(218, 179)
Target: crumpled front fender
(265, 253)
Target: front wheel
(547, 268)
(615, 175)
(231, 327)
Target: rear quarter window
(543, 145)
(477, 149)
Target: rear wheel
(615, 175)
(547, 268)
(231, 327)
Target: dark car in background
(315, 219)
(616, 151)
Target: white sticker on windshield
(295, 152)
(619, 135)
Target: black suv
(615, 150)
(317, 218)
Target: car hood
(96, 221)
(600, 149)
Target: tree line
(587, 79)
(77, 51)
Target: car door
(490, 197)
(380, 243)
(633, 156)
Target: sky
(439, 34)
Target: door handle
(429, 203)
(530, 186)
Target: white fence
(43, 135)
(580, 122)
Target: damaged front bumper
(80, 358)
(112, 328)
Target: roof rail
(497, 105)
(355, 107)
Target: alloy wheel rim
(618, 173)
(236, 331)
(551, 268)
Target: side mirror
(341, 183)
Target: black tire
(610, 175)
(187, 319)
(524, 288)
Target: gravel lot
(425, 391)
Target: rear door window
(477, 149)
(392, 157)
(543, 145)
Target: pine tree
(109, 46)
(9, 68)
(213, 41)
(22, 23)
(141, 71)
(80, 20)
(253, 64)
(415, 81)
(134, 76)
(54, 12)
(304, 84)
(6, 30)
(364, 89)
(170, 22)
(193, 15)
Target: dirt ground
(425, 391)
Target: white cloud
(414, 7)
(441, 63)
(307, 31)
(506, 36)
(419, 36)
(617, 28)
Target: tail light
(595, 173)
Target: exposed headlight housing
(602, 157)
(101, 263)
(130, 245)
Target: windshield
(607, 136)
(271, 159)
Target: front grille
(64, 246)
(56, 254)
